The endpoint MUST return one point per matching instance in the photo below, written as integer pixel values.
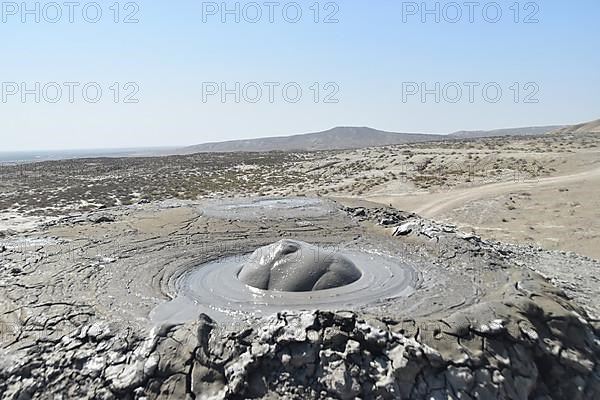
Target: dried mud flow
(477, 319)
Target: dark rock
(360, 212)
(101, 218)
(335, 338)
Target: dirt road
(434, 204)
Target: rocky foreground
(75, 296)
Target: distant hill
(527, 131)
(340, 138)
(588, 127)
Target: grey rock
(460, 378)
(575, 360)
(340, 383)
(405, 229)
(101, 218)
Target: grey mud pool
(215, 288)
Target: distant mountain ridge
(587, 127)
(344, 138)
(340, 138)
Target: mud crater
(307, 278)
(268, 208)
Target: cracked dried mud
(484, 320)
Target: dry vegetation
(61, 187)
(51, 188)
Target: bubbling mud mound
(294, 266)
(214, 288)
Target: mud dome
(293, 266)
(214, 289)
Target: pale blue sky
(368, 54)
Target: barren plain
(540, 191)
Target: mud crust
(76, 294)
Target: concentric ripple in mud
(213, 288)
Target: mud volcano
(294, 266)
(434, 314)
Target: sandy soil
(557, 212)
